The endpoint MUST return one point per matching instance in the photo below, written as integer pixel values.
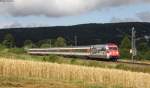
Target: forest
(83, 34)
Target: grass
(19, 82)
(75, 61)
(109, 78)
(16, 54)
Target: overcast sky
(16, 13)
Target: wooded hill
(87, 34)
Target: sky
(31, 13)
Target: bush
(125, 54)
(143, 55)
(140, 56)
(147, 55)
(45, 46)
(121, 66)
(16, 50)
(51, 58)
(2, 47)
(73, 60)
(93, 63)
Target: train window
(94, 50)
(103, 49)
(113, 48)
(80, 50)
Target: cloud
(130, 19)
(10, 25)
(15, 24)
(56, 8)
(144, 16)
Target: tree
(28, 44)
(60, 42)
(143, 51)
(147, 55)
(125, 43)
(45, 45)
(143, 47)
(125, 47)
(9, 41)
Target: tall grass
(107, 77)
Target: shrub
(2, 47)
(125, 54)
(16, 50)
(45, 46)
(147, 55)
(73, 60)
(51, 58)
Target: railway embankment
(81, 62)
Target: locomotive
(106, 51)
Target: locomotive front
(113, 52)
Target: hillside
(86, 33)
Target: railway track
(134, 63)
(129, 62)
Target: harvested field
(106, 77)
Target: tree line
(9, 42)
(143, 49)
(124, 47)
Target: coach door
(98, 52)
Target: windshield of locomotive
(113, 48)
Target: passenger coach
(107, 51)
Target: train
(105, 51)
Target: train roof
(73, 47)
(83, 47)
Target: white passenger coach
(108, 51)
